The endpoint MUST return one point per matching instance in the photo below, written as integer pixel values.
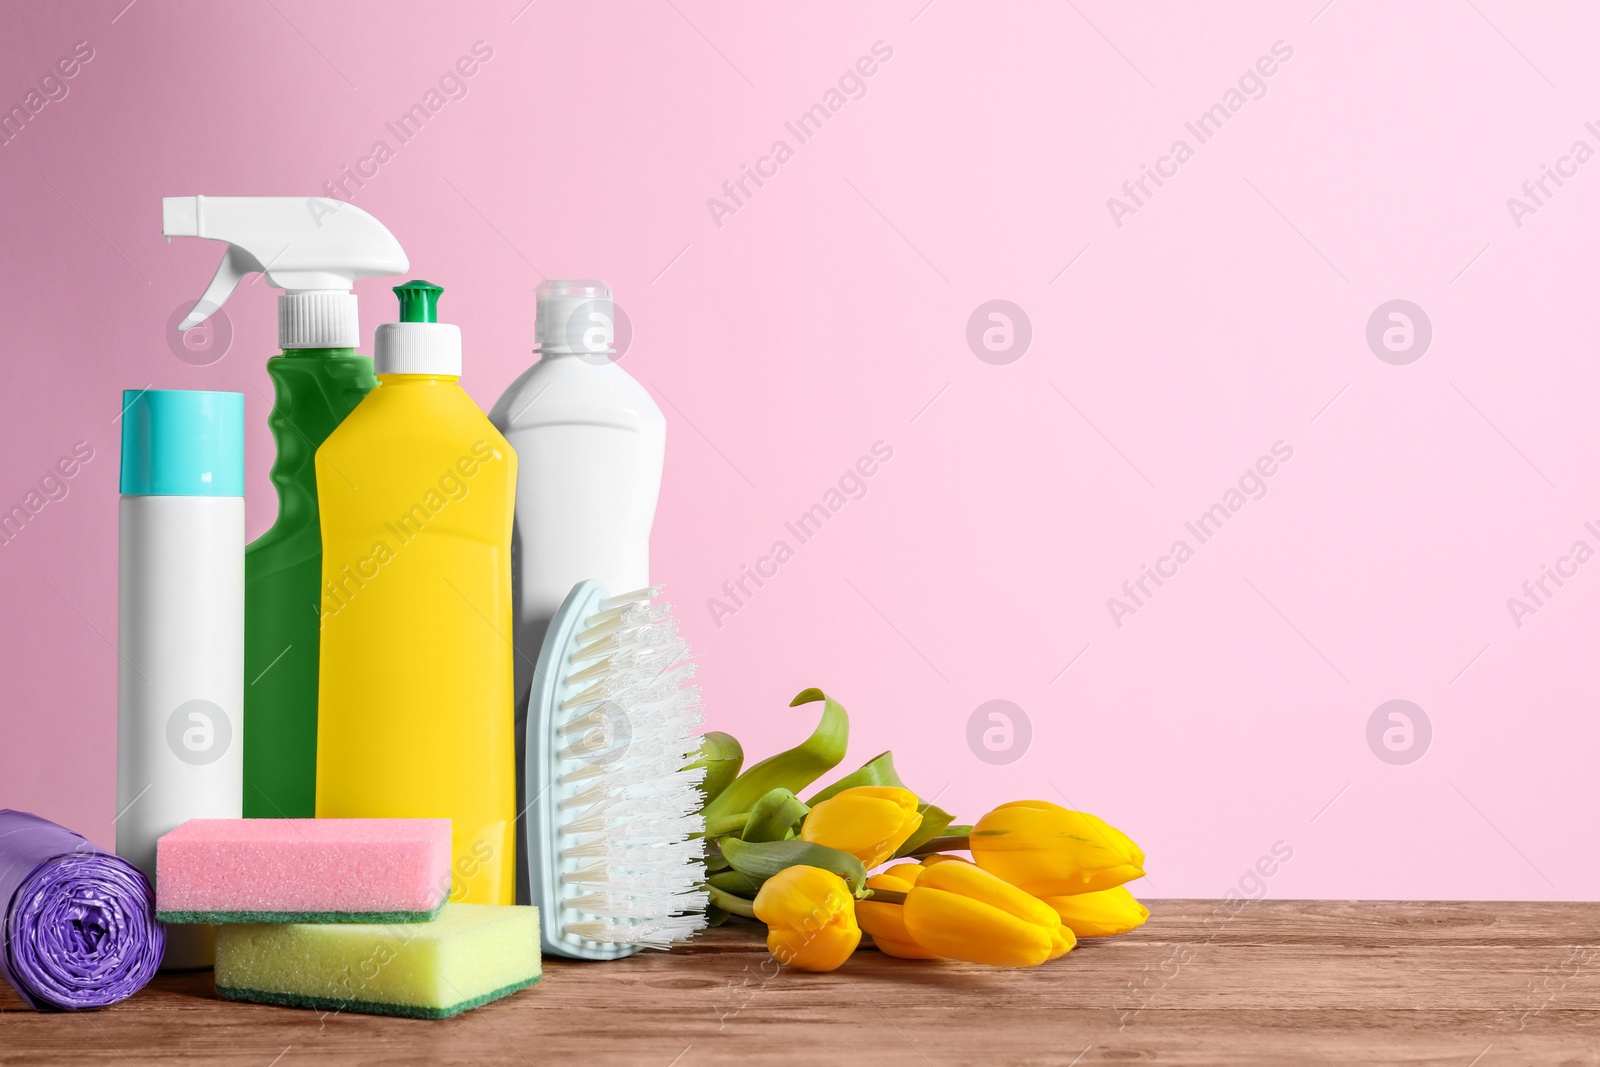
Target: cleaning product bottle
(180, 625)
(415, 701)
(315, 248)
(590, 443)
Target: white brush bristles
(630, 811)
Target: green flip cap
(419, 301)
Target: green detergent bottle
(316, 388)
(314, 249)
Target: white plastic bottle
(590, 443)
(180, 626)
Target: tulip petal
(797, 896)
(887, 925)
(1102, 831)
(810, 917)
(818, 950)
(1062, 941)
(944, 857)
(899, 878)
(948, 924)
(1103, 914)
(869, 822)
(978, 884)
(1049, 850)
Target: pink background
(830, 311)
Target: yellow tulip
(1050, 851)
(964, 912)
(941, 857)
(870, 822)
(1103, 914)
(886, 922)
(811, 923)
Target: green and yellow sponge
(471, 954)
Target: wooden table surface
(1277, 982)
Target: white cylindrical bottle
(590, 444)
(180, 626)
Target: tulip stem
(718, 825)
(728, 902)
(886, 896)
(942, 844)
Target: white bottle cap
(417, 348)
(320, 318)
(574, 316)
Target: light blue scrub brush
(613, 824)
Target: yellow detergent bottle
(415, 694)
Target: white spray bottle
(315, 249)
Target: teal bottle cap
(182, 442)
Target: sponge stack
(343, 915)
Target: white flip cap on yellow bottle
(419, 343)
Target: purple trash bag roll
(80, 924)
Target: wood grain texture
(1272, 983)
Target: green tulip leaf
(935, 822)
(877, 771)
(763, 859)
(774, 816)
(730, 902)
(722, 756)
(716, 916)
(735, 882)
(794, 769)
(722, 825)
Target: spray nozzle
(313, 247)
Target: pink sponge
(303, 870)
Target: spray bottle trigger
(236, 263)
